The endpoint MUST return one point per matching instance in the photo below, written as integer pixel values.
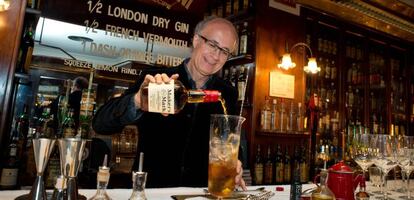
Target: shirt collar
(190, 79)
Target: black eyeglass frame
(215, 46)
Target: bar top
(394, 187)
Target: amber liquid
(322, 197)
(221, 179)
(223, 105)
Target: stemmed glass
(405, 155)
(362, 152)
(384, 157)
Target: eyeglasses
(213, 47)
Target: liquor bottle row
(276, 168)
(354, 51)
(46, 122)
(328, 152)
(329, 70)
(225, 8)
(282, 116)
(238, 77)
(327, 46)
(245, 39)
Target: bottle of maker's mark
(172, 97)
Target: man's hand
(159, 79)
(239, 178)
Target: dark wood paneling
(10, 30)
(274, 28)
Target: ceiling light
(287, 63)
(4, 5)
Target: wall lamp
(4, 5)
(287, 63)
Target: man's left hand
(239, 178)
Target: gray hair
(202, 24)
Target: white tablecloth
(166, 193)
(154, 193)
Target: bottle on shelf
(235, 6)
(291, 119)
(258, 167)
(274, 116)
(241, 82)
(10, 166)
(26, 50)
(265, 116)
(181, 96)
(282, 116)
(243, 47)
(304, 174)
(300, 118)
(233, 76)
(268, 168)
(287, 166)
(68, 125)
(279, 166)
(23, 124)
(86, 112)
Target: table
(155, 193)
(165, 193)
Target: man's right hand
(159, 79)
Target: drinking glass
(362, 151)
(405, 155)
(223, 154)
(384, 157)
(375, 177)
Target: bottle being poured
(102, 179)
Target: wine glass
(405, 155)
(362, 151)
(384, 157)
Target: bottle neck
(203, 96)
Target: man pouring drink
(176, 146)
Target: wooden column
(11, 22)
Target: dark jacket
(176, 147)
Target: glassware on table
(362, 151)
(139, 180)
(323, 192)
(384, 157)
(405, 155)
(375, 176)
(102, 180)
(223, 155)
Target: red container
(342, 182)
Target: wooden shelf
(33, 11)
(244, 58)
(283, 134)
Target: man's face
(212, 46)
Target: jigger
(42, 148)
(71, 150)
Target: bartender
(176, 146)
